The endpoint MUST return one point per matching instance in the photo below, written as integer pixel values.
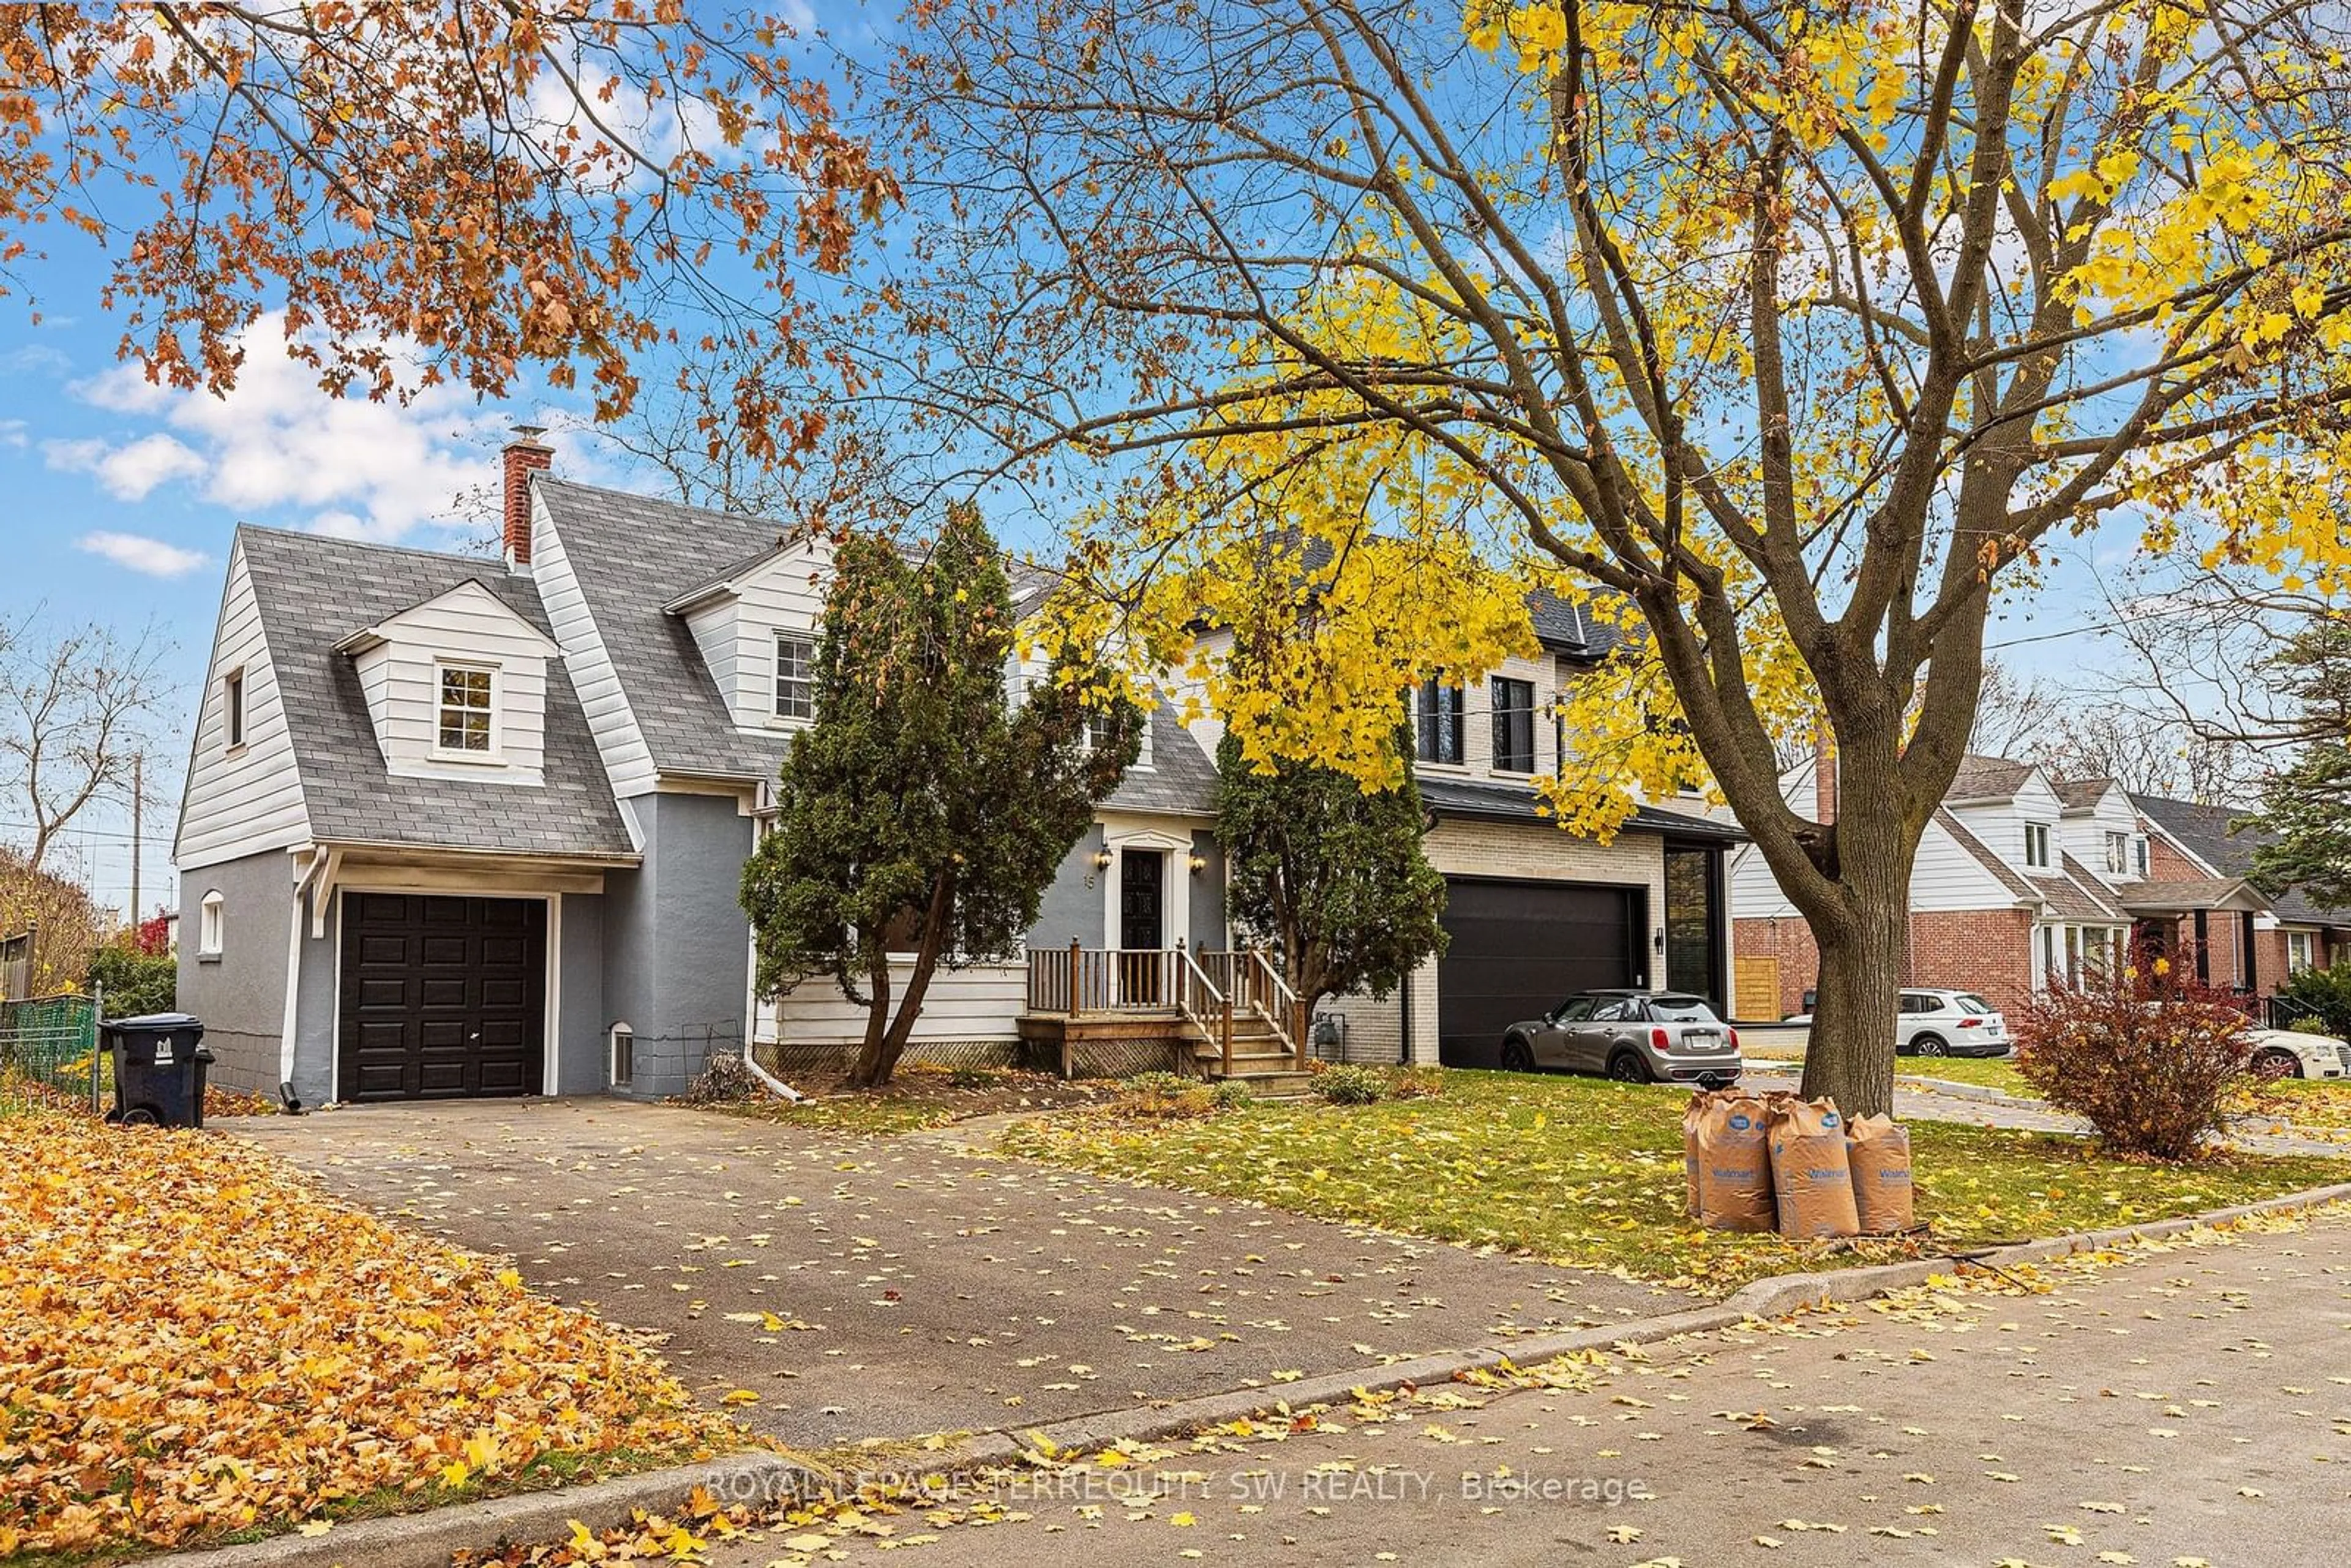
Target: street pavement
(2181, 1403)
(894, 1286)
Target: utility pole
(138, 821)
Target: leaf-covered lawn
(195, 1343)
(2312, 1106)
(1589, 1173)
(1989, 1072)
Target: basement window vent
(624, 1054)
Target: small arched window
(208, 925)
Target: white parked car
(2290, 1053)
(1943, 1023)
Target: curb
(1780, 1296)
(426, 1539)
(1952, 1089)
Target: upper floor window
(2036, 845)
(233, 706)
(1444, 724)
(2139, 847)
(2118, 852)
(466, 716)
(1514, 726)
(795, 677)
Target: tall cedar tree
(922, 814)
(2307, 806)
(1331, 874)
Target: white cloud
(277, 444)
(131, 471)
(142, 554)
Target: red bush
(2146, 1055)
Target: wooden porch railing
(1208, 988)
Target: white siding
(468, 625)
(251, 802)
(628, 763)
(980, 1003)
(2085, 836)
(1947, 877)
(2001, 823)
(715, 627)
(787, 594)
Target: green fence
(48, 1048)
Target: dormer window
(795, 676)
(2036, 845)
(465, 722)
(2118, 853)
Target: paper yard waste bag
(1879, 1153)
(1734, 1167)
(1811, 1171)
(1691, 1115)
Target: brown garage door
(1517, 949)
(442, 998)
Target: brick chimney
(524, 455)
(1824, 778)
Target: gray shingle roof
(1181, 780)
(2076, 793)
(1518, 803)
(2075, 894)
(1988, 778)
(632, 555)
(2190, 893)
(312, 591)
(2203, 831)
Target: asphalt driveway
(893, 1287)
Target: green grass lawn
(1989, 1072)
(2321, 1105)
(1589, 1173)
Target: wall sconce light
(1200, 864)
(1102, 860)
(1657, 940)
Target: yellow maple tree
(1790, 334)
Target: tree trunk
(877, 1059)
(1863, 938)
(870, 1069)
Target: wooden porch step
(1274, 1085)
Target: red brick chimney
(1824, 778)
(524, 455)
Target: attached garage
(443, 998)
(1518, 948)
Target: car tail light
(1972, 1024)
(1658, 1039)
(1734, 1038)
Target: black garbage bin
(159, 1069)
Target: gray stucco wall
(241, 995)
(1072, 905)
(581, 1066)
(677, 943)
(1207, 894)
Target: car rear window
(1972, 1004)
(1682, 1009)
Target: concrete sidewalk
(2191, 1406)
(892, 1287)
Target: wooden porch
(1225, 1014)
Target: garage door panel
(442, 997)
(1516, 947)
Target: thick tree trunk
(1864, 936)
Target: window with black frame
(1444, 724)
(1514, 726)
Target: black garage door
(1518, 948)
(442, 998)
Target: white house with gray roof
(459, 826)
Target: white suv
(1948, 1023)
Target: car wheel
(1929, 1045)
(2276, 1063)
(1516, 1056)
(1626, 1067)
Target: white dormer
(456, 688)
(756, 624)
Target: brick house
(2021, 876)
